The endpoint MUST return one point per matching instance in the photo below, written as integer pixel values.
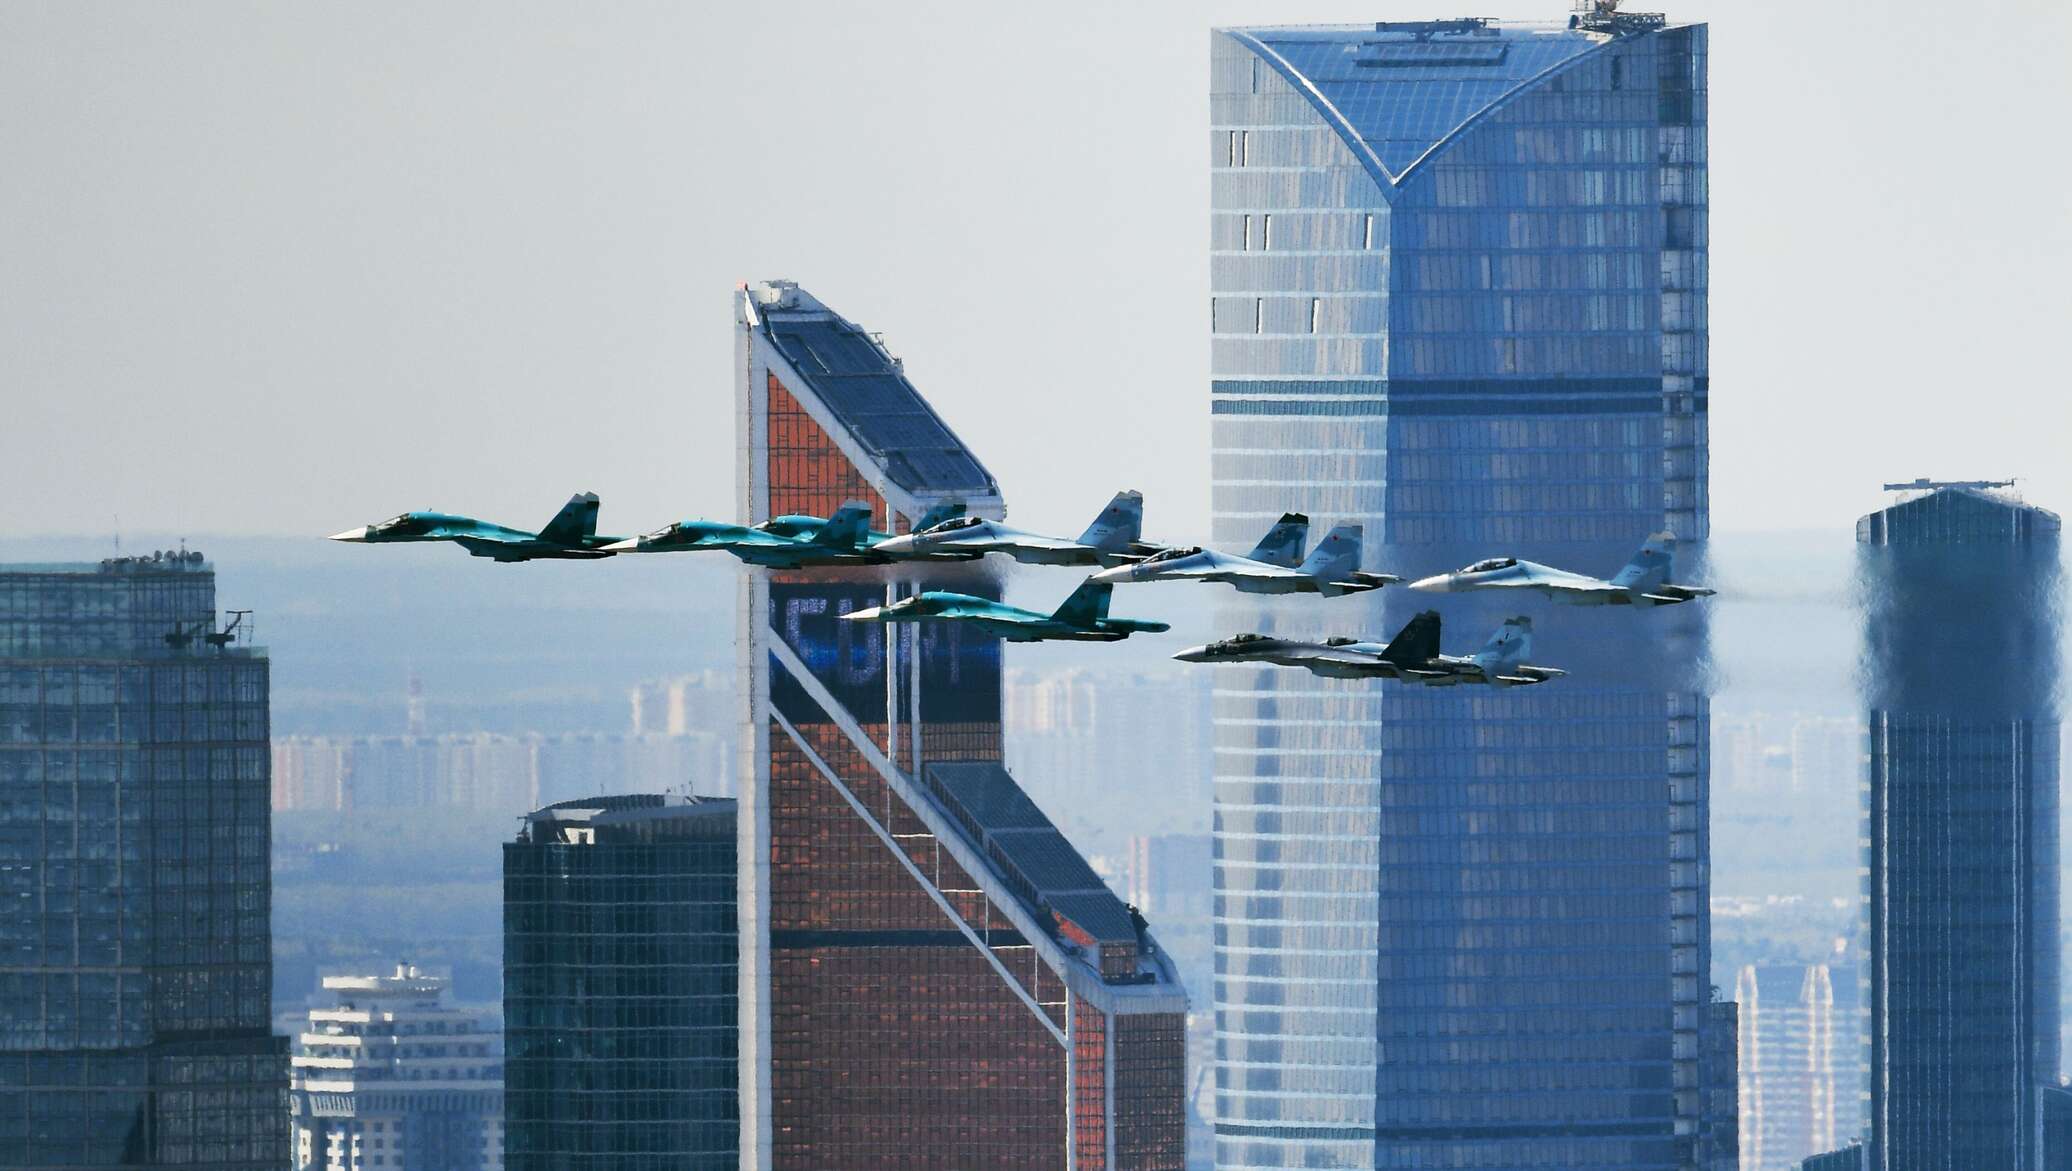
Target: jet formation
(1412, 656)
(1114, 546)
(792, 541)
(571, 534)
(1643, 582)
(1116, 537)
(1274, 566)
(1082, 618)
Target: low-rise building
(393, 1078)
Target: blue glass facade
(1458, 296)
(135, 947)
(1961, 829)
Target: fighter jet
(1276, 566)
(1083, 617)
(790, 541)
(1644, 581)
(1413, 656)
(1115, 538)
(571, 534)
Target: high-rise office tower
(1961, 820)
(932, 977)
(1801, 1064)
(620, 1010)
(391, 1076)
(135, 949)
(1458, 297)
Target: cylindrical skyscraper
(1961, 822)
(1459, 298)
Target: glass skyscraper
(1458, 297)
(135, 947)
(1960, 827)
(620, 1004)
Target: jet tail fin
(576, 521)
(846, 528)
(941, 511)
(1283, 543)
(1649, 567)
(1416, 644)
(1119, 526)
(1087, 605)
(1337, 556)
(1508, 646)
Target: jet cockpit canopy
(1172, 554)
(1491, 563)
(953, 524)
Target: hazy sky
(281, 268)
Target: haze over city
(477, 256)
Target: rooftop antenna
(224, 637)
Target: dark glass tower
(135, 947)
(1458, 285)
(620, 1011)
(1961, 825)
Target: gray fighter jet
(1275, 566)
(1115, 538)
(1644, 582)
(571, 534)
(1083, 617)
(1412, 656)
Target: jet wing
(1035, 541)
(1576, 587)
(499, 547)
(1224, 568)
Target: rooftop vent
(1425, 30)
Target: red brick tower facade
(932, 978)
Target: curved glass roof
(1403, 94)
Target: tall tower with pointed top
(1458, 276)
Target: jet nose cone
(629, 545)
(1194, 654)
(1120, 573)
(1438, 583)
(867, 614)
(358, 534)
(895, 545)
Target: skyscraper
(620, 1006)
(391, 1076)
(135, 955)
(1961, 821)
(1458, 297)
(1801, 1064)
(932, 977)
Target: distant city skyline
(400, 262)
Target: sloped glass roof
(876, 403)
(1026, 847)
(1403, 95)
